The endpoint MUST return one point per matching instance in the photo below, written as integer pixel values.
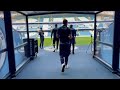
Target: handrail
(3, 50)
(21, 45)
(104, 43)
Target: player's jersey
(54, 32)
(63, 33)
(73, 32)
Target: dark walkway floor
(82, 66)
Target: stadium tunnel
(17, 30)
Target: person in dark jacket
(41, 33)
(55, 39)
(73, 42)
(64, 35)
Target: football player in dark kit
(41, 33)
(73, 38)
(55, 39)
(64, 35)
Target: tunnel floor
(81, 66)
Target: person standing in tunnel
(55, 39)
(41, 33)
(73, 42)
(64, 35)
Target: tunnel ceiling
(51, 12)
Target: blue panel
(4, 66)
(106, 53)
(107, 34)
(17, 37)
(4, 70)
(18, 40)
(119, 59)
(19, 56)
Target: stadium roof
(30, 13)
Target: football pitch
(79, 41)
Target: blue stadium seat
(85, 33)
